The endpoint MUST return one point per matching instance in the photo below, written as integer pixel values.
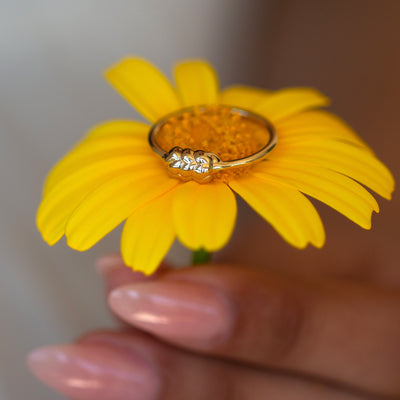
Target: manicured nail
(107, 263)
(178, 311)
(94, 372)
(115, 273)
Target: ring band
(199, 164)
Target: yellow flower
(113, 175)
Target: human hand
(225, 332)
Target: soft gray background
(52, 54)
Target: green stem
(200, 256)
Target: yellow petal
(107, 206)
(204, 215)
(317, 124)
(326, 135)
(287, 210)
(148, 234)
(118, 128)
(67, 193)
(144, 87)
(246, 97)
(197, 83)
(355, 162)
(286, 102)
(90, 151)
(333, 189)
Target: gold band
(199, 164)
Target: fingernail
(94, 372)
(107, 263)
(178, 311)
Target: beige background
(51, 91)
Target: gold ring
(200, 164)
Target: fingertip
(181, 312)
(94, 371)
(107, 263)
(111, 262)
(115, 273)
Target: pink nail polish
(178, 311)
(107, 263)
(94, 372)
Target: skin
(301, 329)
(312, 324)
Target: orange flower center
(217, 129)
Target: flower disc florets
(194, 139)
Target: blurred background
(51, 91)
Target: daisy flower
(113, 174)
